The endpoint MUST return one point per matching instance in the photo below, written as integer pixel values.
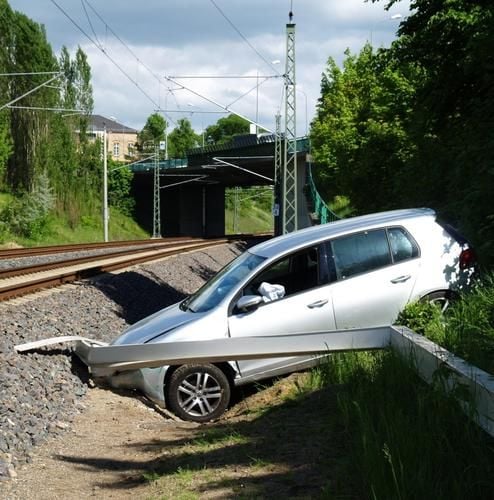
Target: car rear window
(402, 245)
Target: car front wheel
(198, 392)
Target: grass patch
(251, 219)
(467, 328)
(408, 440)
(215, 438)
(90, 229)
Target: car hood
(156, 326)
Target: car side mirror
(249, 302)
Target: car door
(306, 306)
(375, 273)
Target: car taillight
(467, 258)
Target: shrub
(28, 215)
(424, 318)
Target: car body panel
(336, 298)
(306, 311)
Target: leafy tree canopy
(153, 131)
(181, 139)
(225, 129)
(412, 125)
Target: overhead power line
(13, 101)
(226, 76)
(31, 73)
(244, 38)
(134, 55)
(226, 108)
(156, 105)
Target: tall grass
(411, 440)
(90, 229)
(408, 440)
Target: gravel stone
(42, 391)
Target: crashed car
(353, 273)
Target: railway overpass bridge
(192, 190)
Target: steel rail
(73, 271)
(76, 247)
(45, 266)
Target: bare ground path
(269, 445)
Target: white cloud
(192, 38)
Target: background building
(121, 139)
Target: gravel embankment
(41, 392)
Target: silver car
(357, 272)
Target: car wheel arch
(439, 296)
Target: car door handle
(401, 279)
(318, 303)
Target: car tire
(198, 393)
(442, 298)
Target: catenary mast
(290, 152)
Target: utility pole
(290, 157)
(236, 209)
(105, 187)
(156, 197)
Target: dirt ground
(274, 442)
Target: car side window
(296, 273)
(402, 245)
(360, 253)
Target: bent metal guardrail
(432, 363)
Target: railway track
(14, 253)
(28, 279)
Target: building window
(130, 148)
(116, 149)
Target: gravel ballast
(41, 392)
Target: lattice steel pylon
(156, 197)
(290, 154)
(278, 157)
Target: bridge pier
(186, 210)
(201, 210)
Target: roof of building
(98, 122)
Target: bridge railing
(163, 164)
(243, 141)
(320, 209)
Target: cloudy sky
(149, 40)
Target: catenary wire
(244, 37)
(105, 53)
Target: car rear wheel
(442, 299)
(198, 392)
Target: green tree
(359, 135)
(181, 139)
(119, 185)
(70, 159)
(31, 52)
(452, 42)
(412, 125)
(225, 129)
(6, 63)
(152, 133)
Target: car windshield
(213, 292)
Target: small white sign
(162, 145)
